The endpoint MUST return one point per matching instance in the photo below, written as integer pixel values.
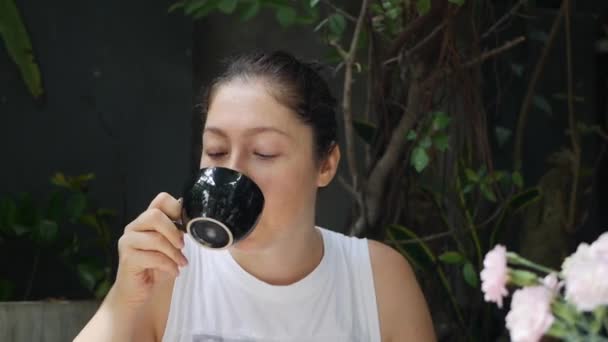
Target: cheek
(287, 190)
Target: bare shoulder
(404, 315)
(155, 313)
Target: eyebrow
(250, 131)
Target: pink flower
(585, 275)
(530, 315)
(552, 283)
(494, 275)
(600, 247)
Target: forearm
(113, 321)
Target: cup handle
(180, 223)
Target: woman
(271, 117)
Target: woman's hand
(150, 243)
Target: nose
(236, 162)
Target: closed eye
(215, 155)
(265, 156)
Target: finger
(153, 241)
(156, 220)
(153, 260)
(168, 204)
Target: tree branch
(377, 180)
(339, 10)
(408, 31)
(503, 19)
(576, 148)
(480, 59)
(421, 43)
(508, 45)
(540, 65)
(349, 60)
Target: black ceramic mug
(221, 207)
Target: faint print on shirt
(215, 338)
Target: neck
(291, 256)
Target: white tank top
(214, 299)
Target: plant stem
(470, 222)
(30, 283)
(515, 259)
(448, 289)
(576, 148)
(540, 65)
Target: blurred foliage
(68, 225)
(19, 47)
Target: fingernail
(184, 261)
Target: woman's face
(249, 131)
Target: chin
(253, 242)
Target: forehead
(242, 104)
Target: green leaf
(487, 192)
(423, 6)
(60, 180)
(286, 16)
(496, 176)
(20, 230)
(203, 9)
(517, 179)
(411, 135)
(227, 6)
(85, 177)
(470, 275)
(251, 10)
(89, 275)
(55, 207)
(517, 69)
(105, 212)
(441, 121)
(313, 3)
(471, 175)
(8, 214)
(542, 103)
(420, 159)
(6, 290)
(502, 135)
(90, 220)
(46, 231)
(457, 2)
(365, 130)
(17, 43)
(27, 212)
(524, 198)
(441, 142)
(337, 24)
(393, 13)
(426, 142)
(451, 257)
(103, 288)
(175, 6)
(468, 188)
(192, 6)
(75, 206)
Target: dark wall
(119, 79)
(118, 84)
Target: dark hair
(295, 84)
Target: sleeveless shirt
(215, 300)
